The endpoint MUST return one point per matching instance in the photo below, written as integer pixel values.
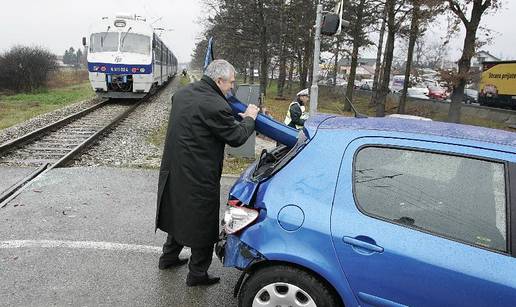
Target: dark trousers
(200, 259)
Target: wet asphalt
(85, 237)
(10, 176)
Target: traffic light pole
(314, 89)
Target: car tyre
(284, 286)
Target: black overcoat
(200, 125)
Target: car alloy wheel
(282, 294)
(283, 285)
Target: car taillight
(237, 218)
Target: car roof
(429, 128)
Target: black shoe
(167, 263)
(206, 280)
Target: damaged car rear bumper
(235, 253)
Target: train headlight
(103, 68)
(142, 70)
(134, 70)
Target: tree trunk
(336, 62)
(290, 73)
(263, 71)
(378, 67)
(272, 76)
(308, 63)
(357, 29)
(264, 55)
(305, 63)
(414, 31)
(251, 68)
(386, 75)
(465, 61)
(464, 66)
(282, 73)
(351, 78)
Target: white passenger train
(126, 58)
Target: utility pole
(314, 90)
(332, 25)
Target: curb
(230, 176)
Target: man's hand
(251, 111)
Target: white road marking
(109, 246)
(79, 245)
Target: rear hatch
(266, 166)
(270, 162)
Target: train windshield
(104, 42)
(135, 43)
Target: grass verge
(332, 102)
(235, 165)
(21, 107)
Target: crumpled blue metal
(239, 255)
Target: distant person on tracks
(200, 125)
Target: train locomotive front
(126, 58)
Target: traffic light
(332, 22)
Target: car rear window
(458, 197)
(271, 162)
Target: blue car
(377, 212)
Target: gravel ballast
(43, 120)
(128, 144)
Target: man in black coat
(200, 125)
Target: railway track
(60, 142)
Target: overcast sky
(503, 24)
(59, 24)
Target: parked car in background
(470, 96)
(328, 81)
(341, 82)
(365, 87)
(366, 84)
(397, 83)
(437, 93)
(377, 212)
(418, 92)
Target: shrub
(24, 69)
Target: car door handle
(361, 245)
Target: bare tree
(396, 14)
(422, 13)
(361, 15)
(460, 8)
(378, 67)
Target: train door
(168, 64)
(161, 62)
(154, 57)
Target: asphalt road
(9, 176)
(85, 237)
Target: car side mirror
(84, 41)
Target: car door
(419, 223)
